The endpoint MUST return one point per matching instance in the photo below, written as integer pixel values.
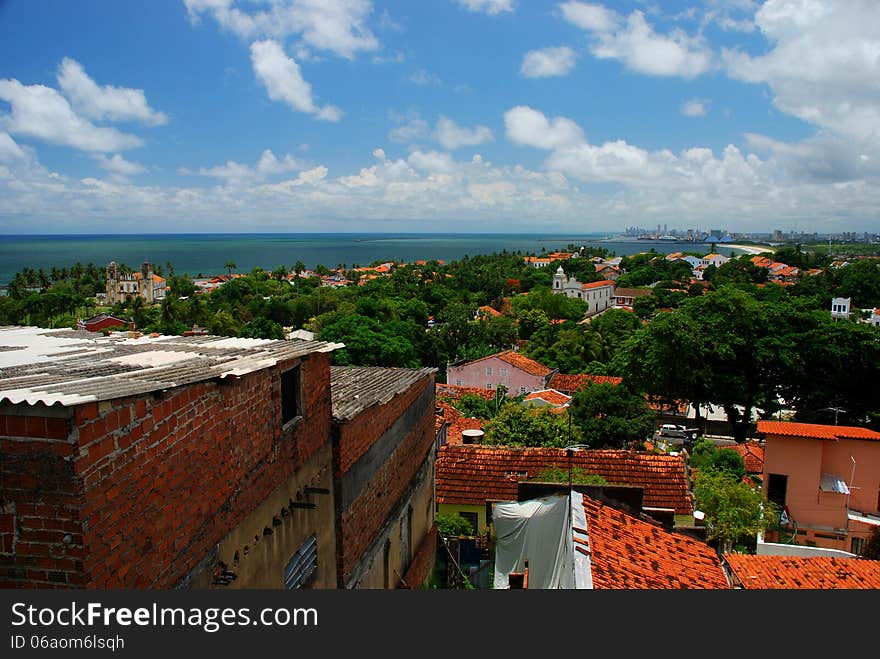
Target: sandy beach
(751, 249)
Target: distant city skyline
(443, 116)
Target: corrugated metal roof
(355, 388)
(70, 367)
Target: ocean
(207, 254)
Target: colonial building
(516, 372)
(123, 285)
(599, 294)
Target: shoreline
(751, 249)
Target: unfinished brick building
(384, 454)
(163, 462)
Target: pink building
(515, 371)
(827, 479)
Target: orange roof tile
(630, 553)
(564, 382)
(596, 284)
(815, 430)
(488, 310)
(524, 363)
(549, 395)
(455, 391)
(799, 572)
(474, 474)
(752, 454)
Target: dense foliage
(735, 341)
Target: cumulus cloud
(451, 136)
(336, 26)
(634, 42)
(119, 166)
(431, 161)
(695, 185)
(283, 80)
(491, 7)
(44, 114)
(104, 103)
(696, 107)
(548, 62)
(823, 66)
(9, 150)
(410, 129)
(267, 166)
(529, 127)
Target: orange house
(827, 479)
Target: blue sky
(442, 115)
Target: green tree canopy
(611, 416)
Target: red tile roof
(455, 391)
(488, 310)
(815, 430)
(797, 572)
(564, 382)
(752, 454)
(549, 395)
(597, 284)
(474, 474)
(521, 362)
(626, 552)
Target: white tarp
(540, 532)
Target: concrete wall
(822, 516)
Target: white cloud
(424, 78)
(824, 66)
(379, 153)
(431, 161)
(529, 127)
(586, 16)
(696, 107)
(411, 129)
(548, 62)
(634, 42)
(593, 187)
(9, 150)
(452, 136)
(337, 26)
(107, 102)
(42, 113)
(119, 166)
(283, 80)
(267, 166)
(491, 7)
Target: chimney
(472, 436)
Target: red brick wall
(165, 477)
(363, 519)
(359, 434)
(40, 499)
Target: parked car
(673, 430)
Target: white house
(840, 307)
(714, 259)
(599, 294)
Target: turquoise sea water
(208, 253)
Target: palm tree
(230, 266)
